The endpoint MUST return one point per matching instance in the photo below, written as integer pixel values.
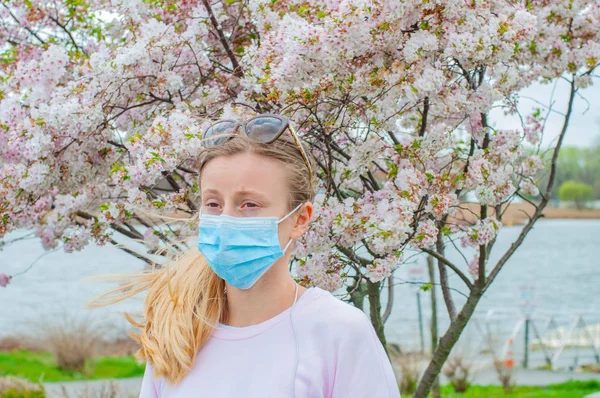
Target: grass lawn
(41, 366)
(571, 389)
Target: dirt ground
(517, 213)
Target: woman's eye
(250, 205)
(213, 205)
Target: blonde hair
(186, 299)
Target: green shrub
(32, 365)
(16, 387)
(576, 191)
(15, 393)
(576, 384)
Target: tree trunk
(444, 278)
(446, 343)
(375, 310)
(434, 326)
(357, 297)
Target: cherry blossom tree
(102, 105)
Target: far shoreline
(517, 213)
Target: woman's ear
(302, 220)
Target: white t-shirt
(340, 356)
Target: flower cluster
(483, 232)
(101, 116)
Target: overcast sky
(584, 128)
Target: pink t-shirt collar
(225, 332)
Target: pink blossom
(483, 232)
(382, 268)
(98, 133)
(531, 165)
(474, 267)
(4, 280)
(426, 236)
(150, 238)
(529, 187)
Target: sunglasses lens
(218, 133)
(264, 129)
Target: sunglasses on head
(264, 128)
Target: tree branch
(353, 256)
(237, 69)
(112, 142)
(439, 246)
(21, 25)
(177, 188)
(452, 267)
(424, 117)
(158, 232)
(483, 211)
(130, 234)
(64, 27)
(390, 299)
(448, 340)
(540, 208)
(129, 251)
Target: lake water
(555, 273)
(557, 269)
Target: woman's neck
(272, 294)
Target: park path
(532, 377)
(129, 388)
(125, 388)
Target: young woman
(228, 320)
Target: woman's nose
(230, 210)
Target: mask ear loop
(296, 344)
(290, 213)
(292, 311)
(278, 222)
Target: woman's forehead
(245, 172)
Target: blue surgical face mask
(240, 249)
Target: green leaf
(136, 136)
(159, 203)
(459, 177)
(426, 287)
(533, 46)
(116, 167)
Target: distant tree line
(577, 174)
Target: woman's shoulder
(330, 314)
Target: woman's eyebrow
(211, 192)
(240, 192)
(253, 192)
